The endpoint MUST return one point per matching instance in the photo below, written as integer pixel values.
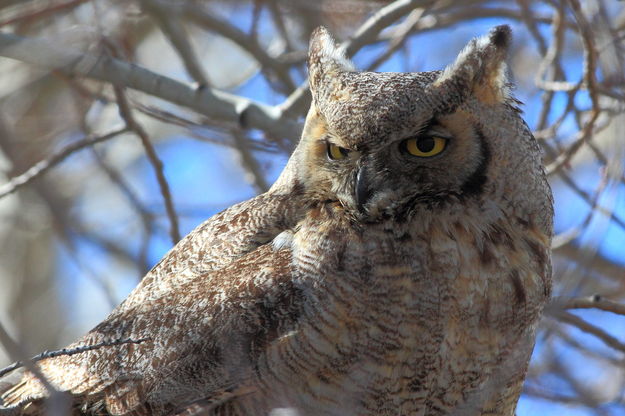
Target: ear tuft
(480, 69)
(325, 58)
(500, 36)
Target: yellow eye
(426, 146)
(336, 152)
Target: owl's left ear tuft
(501, 36)
(480, 69)
(325, 58)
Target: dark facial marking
(519, 290)
(537, 251)
(474, 185)
(486, 255)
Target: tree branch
(126, 113)
(590, 302)
(70, 351)
(43, 166)
(205, 20)
(208, 101)
(582, 325)
(175, 32)
(16, 352)
(367, 33)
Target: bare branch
(597, 264)
(69, 351)
(249, 162)
(175, 32)
(126, 113)
(43, 166)
(588, 199)
(590, 302)
(569, 318)
(16, 351)
(46, 11)
(369, 30)
(367, 33)
(401, 34)
(209, 101)
(571, 234)
(206, 20)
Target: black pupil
(425, 144)
(339, 148)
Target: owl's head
(393, 145)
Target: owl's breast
(402, 319)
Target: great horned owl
(397, 267)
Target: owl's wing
(201, 339)
(224, 237)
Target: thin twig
(17, 352)
(146, 216)
(581, 324)
(70, 351)
(44, 12)
(589, 302)
(593, 353)
(193, 127)
(126, 114)
(590, 81)
(278, 22)
(249, 162)
(597, 264)
(46, 164)
(588, 199)
(175, 32)
(401, 34)
(369, 31)
(208, 21)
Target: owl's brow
(425, 127)
(327, 139)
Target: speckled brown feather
(421, 296)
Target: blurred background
(98, 182)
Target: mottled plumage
(398, 266)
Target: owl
(398, 266)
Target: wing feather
(204, 317)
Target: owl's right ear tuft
(325, 58)
(480, 69)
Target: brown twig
(46, 164)
(571, 234)
(581, 324)
(145, 215)
(588, 199)
(126, 114)
(598, 264)
(175, 32)
(44, 12)
(249, 162)
(590, 82)
(589, 302)
(401, 34)
(208, 21)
